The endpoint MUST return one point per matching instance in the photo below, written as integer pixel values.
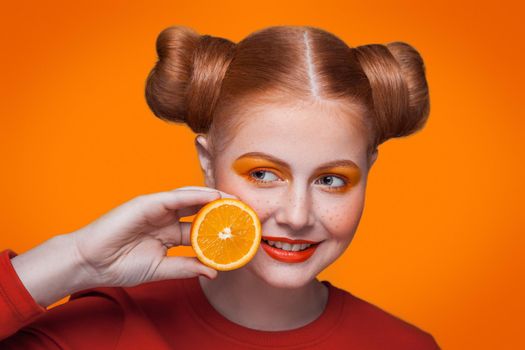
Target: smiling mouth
(281, 250)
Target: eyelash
(334, 189)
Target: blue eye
(333, 179)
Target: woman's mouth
(289, 252)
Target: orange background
(439, 241)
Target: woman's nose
(296, 209)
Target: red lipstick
(288, 256)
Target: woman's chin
(282, 275)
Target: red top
(175, 314)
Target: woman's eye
(263, 176)
(332, 181)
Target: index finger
(179, 200)
(206, 189)
(192, 210)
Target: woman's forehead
(298, 132)
(299, 120)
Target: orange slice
(225, 234)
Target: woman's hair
(201, 80)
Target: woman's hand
(124, 247)
(128, 245)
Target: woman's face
(303, 169)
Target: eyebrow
(282, 163)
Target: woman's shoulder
(102, 314)
(88, 317)
(372, 323)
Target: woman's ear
(205, 160)
(373, 158)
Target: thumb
(172, 267)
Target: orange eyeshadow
(352, 174)
(245, 164)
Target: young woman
(288, 120)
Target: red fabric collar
(315, 331)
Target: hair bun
(167, 82)
(184, 85)
(396, 73)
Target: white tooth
(278, 244)
(272, 243)
(287, 246)
(296, 247)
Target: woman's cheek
(341, 220)
(264, 204)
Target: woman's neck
(243, 298)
